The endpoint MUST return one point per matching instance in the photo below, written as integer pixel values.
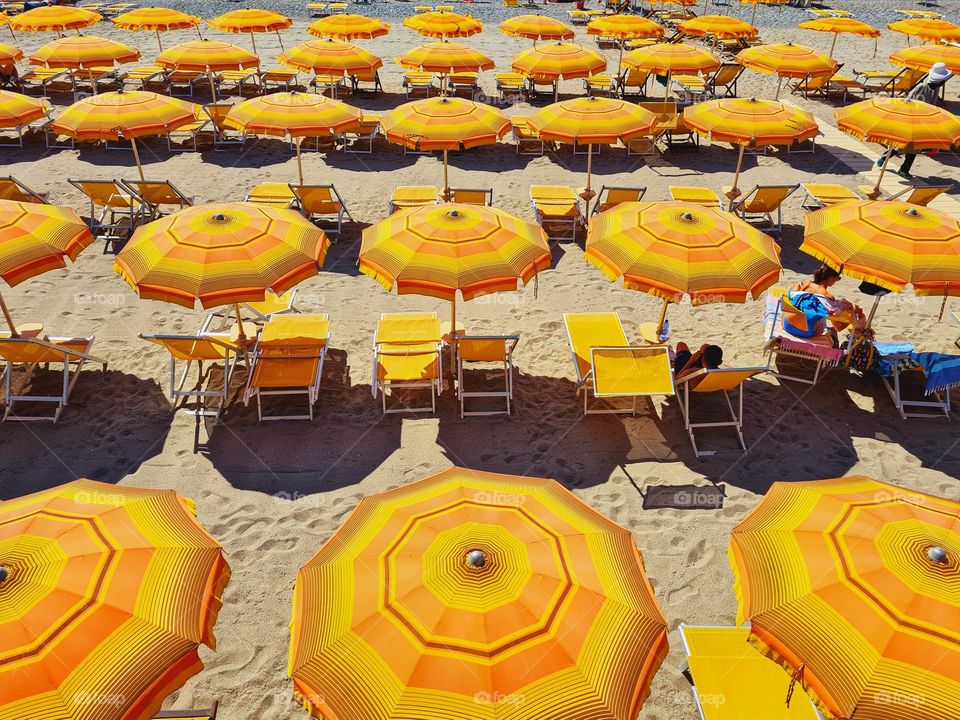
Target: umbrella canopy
(444, 24)
(156, 19)
(207, 56)
(108, 591)
(330, 57)
(555, 61)
(931, 30)
(536, 27)
(471, 593)
(83, 51)
(722, 26)
(624, 27)
(851, 585)
(252, 21)
(54, 17)
(923, 57)
(838, 25)
(445, 58)
(348, 27)
(17, 109)
(9, 54)
(786, 60)
(669, 58)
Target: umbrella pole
(93, 83)
(876, 41)
(779, 85)
(136, 156)
(753, 20)
(199, 34)
(296, 142)
(735, 191)
(241, 335)
(556, 89)
(10, 28)
(833, 45)
(253, 41)
(873, 311)
(213, 87)
(6, 316)
(446, 176)
(663, 318)
(453, 317)
(159, 43)
(279, 40)
(589, 193)
(875, 193)
(620, 59)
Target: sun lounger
(468, 196)
(609, 367)
(609, 197)
(204, 714)
(213, 348)
(601, 85)
(372, 77)
(184, 81)
(418, 83)
(720, 380)
(721, 83)
(496, 350)
(928, 378)
(820, 195)
(288, 360)
(463, 84)
(184, 138)
(143, 77)
(222, 135)
(695, 195)
(46, 80)
(578, 17)
(818, 350)
(361, 140)
(13, 189)
(160, 195)
(321, 203)
(237, 81)
(114, 210)
(511, 86)
(12, 137)
(633, 82)
(256, 312)
(408, 196)
(278, 78)
(537, 86)
(761, 202)
(921, 194)
(528, 142)
(329, 83)
(274, 194)
(557, 206)
(407, 355)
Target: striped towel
(817, 346)
(942, 372)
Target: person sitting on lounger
(817, 305)
(708, 357)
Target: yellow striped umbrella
(669, 58)
(851, 584)
(721, 26)
(108, 592)
(252, 21)
(440, 249)
(923, 57)
(476, 595)
(837, 25)
(750, 123)
(35, 238)
(223, 254)
(446, 124)
(931, 30)
(672, 249)
(54, 17)
(536, 27)
(592, 121)
(17, 109)
(624, 27)
(330, 57)
(908, 125)
(84, 52)
(556, 61)
(9, 54)
(786, 60)
(124, 115)
(295, 115)
(157, 19)
(445, 58)
(349, 27)
(207, 56)
(444, 24)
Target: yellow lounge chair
(578, 17)
(366, 76)
(633, 81)
(511, 86)
(489, 350)
(184, 138)
(288, 360)
(418, 82)
(407, 355)
(724, 380)
(695, 195)
(237, 80)
(159, 195)
(557, 205)
(329, 83)
(321, 203)
(279, 78)
(464, 84)
(14, 190)
(921, 194)
(361, 140)
(212, 348)
(274, 194)
(29, 353)
(761, 202)
(467, 196)
(899, 381)
(408, 196)
(205, 714)
(114, 210)
(609, 197)
(47, 79)
(222, 135)
(609, 367)
(820, 195)
(601, 84)
(185, 80)
(818, 350)
(257, 312)
(525, 137)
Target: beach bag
(863, 356)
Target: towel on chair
(941, 371)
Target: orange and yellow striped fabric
(923, 57)
(155, 18)
(676, 58)
(536, 27)
(851, 584)
(446, 58)
(592, 121)
(840, 25)
(439, 249)
(293, 114)
(207, 55)
(444, 24)
(35, 238)
(330, 57)
(888, 243)
(750, 122)
(476, 595)
(671, 249)
(129, 114)
(909, 125)
(250, 21)
(9, 54)
(17, 109)
(108, 591)
(54, 17)
(931, 30)
(349, 27)
(721, 26)
(221, 254)
(624, 27)
(556, 61)
(444, 123)
(83, 51)
(786, 60)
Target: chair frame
(316, 218)
(910, 189)
(510, 345)
(28, 194)
(823, 365)
(434, 385)
(487, 192)
(133, 186)
(605, 191)
(736, 414)
(895, 390)
(223, 137)
(176, 387)
(229, 318)
(576, 222)
(738, 207)
(105, 225)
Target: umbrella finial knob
(219, 217)
(4, 573)
(938, 555)
(475, 559)
(686, 216)
(913, 212)
(454, 214)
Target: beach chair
(721, 83)
(528, 142)
(609, 197)
(908, 383)
(223, 137)
(14, 190)
(198, 714)
(681, 133)
(12, 136)
(366, 76)
(496, 350)
(761, 202)
(956, 319)
(278, 78)
(257, 312)
(537, 86)
(361, 140)
(467, 196)
(407, 355)
(668, 116)
(818, 350)
(718, 380)
(920, 194)
(578, 17)
(160, 195)
(322, 203)
(418, 83)
(203, 347)
(511, 86)
(273, 194)
(46, 80)
(633, 82)
(601, 85)
(288, 360)
(511, 3)
(328, 83)
(557, 206)
(29, 353)
(183, 83)
(463, 84)
(115, 211)
(408, 196)
(821, 195)
(184, 138)
(607, 366)
(731, 680)
(237, 81)
(695, 195)
(814, 83)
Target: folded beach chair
(204, 714)
(496, 350)
(407, 355)
(920, 194)
(695, 195)
(818, 350)
(28, 354)
(13, 189)
(467, 196)
(288, 360)
(407, 196)
(361, 140)
(321, 203)
(511, 86)
(719, 380)
(762, 202)
(274, 194)
(557, 205)
(609, 367)
(222, 135)
(160, 195)
(633, 81)
(528, 142)
(256, 312)
(609, 197)
(927, 377)
(820, 195)
(204, 347)
(418, 82)
(114, 210)
(371, 77)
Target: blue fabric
(941, 371)
(813, 310)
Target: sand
(272, 494)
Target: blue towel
(941, 371)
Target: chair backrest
(907, 79)
(766, 198)
(104, 193)
(37, 350)
(816, 81)
(636, 77)
(725, 75)
(720, 379)
(365, 75)
(284, 333)
(218, 113)
(13, 189)
(317, 199)
(194, 347)
(463, 78)
(510, 78)
(407, 329)
(472, 197)
(666, 110)
(923, 194)
(552, 193)
(158, 192)
(590, 330)
(486, 348)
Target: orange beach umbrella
(330, 57)
(722, 26)
(933, 30)
(54, 17)
(157, 19)
(252, 21)
(536, 27)
(923, 57)
(348, 27)
(9, 54)
(624, 27)
(445, 58)
(443, 24)
(84, 52)
(207, 56)
(838, 25)
(669, 58)
(17, 109)
(786, 60)
(556, 61)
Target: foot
(904, 174)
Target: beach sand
(273, 493)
